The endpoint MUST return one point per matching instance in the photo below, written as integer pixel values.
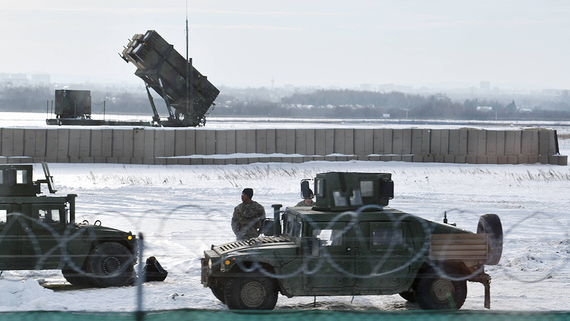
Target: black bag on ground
(153, 271)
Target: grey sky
(310, 42)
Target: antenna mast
(189, 82)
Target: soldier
(248, 217)
(308, 201)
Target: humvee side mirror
(315, 246)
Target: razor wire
(215, 220)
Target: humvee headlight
(227, 262)
(210, 264)
(130, 237)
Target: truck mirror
(315, 246)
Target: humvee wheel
(437, 293)
(111, 264)
(77, 278)
(491, 224)
(218, 291)
(410, 296)
(248, 293)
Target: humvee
(351, 243)
(39, 232)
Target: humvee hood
(255, 242)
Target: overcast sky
(445, 43)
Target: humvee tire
(218, 291)
(77, 278)
(110, 264)
(491, 224)
(437, 293)
(251, 293)
(410, 296)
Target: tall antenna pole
(187, 64)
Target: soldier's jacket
(247, 219)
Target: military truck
(39, 232)
(351, 243)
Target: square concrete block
(287, 159)
(4, 160)
(502, 159)
(265, 159)
(297, 160)
(532, 159)
(492, 160)
(124, 160)
(439, 158)
(417, 158)
(330, 158)
(460, 159)
(470, 159)
(522, 159)
(242, 161)
(160, 161)
(75, 159)
(148, 160)
(275, 159)
(88, 160)
(553, 160)
(64, 159)
(100, 160)
(113, 160)
(135, 160)
(219, 161)
(408, 158)
(196, 161)
(251, 160)
(396, 158)
(543, 159)
(563, 160)
(449, 159)
(207, 161)
(373, 158)
(308, 159)
(512, 159)
(231, 161)
(319, 158)
(385, 158)
(14, 160)
(482, 160)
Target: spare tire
(491, 224)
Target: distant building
(41, 79)
(484, 108)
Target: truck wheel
(410, 296)
(248, 293)
(436, 293)
(111, 264)
(491, 224)
(77, 278)
(218, 290)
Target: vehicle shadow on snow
(341, 306)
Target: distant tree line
(366, 104)
(316, 104)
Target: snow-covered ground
(183, 209)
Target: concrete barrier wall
(224, 146)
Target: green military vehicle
(350, 243)
(39, 232)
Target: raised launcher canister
(187, 93)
